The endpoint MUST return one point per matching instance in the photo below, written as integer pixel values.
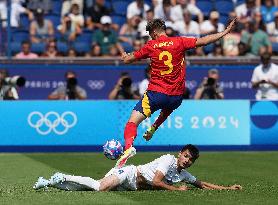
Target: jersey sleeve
(187, 177)
(164, 163)
(188, 43)
(255, 77)
(143, 52)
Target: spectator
(137, 7)
(170, 31)
(70, 91)
(67, 5)
(177, 12)
(7, 91)
(25, 51)
(95, 51)
(128, 32)
(123, 89)
(46, 5)
(272, 29)
(259, 21)
(163, 11)
(41, 29)
(255, 38)
(231, 41)
(137, 44)
(265, 79)
(199, 51)
(242, 50)
(268, 11)
(16, 10)
(210, 88)
(245, 12)
(72, 24)
(76, 18)
(217, 50)
(143, 85)
(187, 27)
(71, 53)
(142, 25)
(94, 14)
(106, 38)
(51, 50)
(212, 25)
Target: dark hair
(26, 42)
(265, 56)
(192, 149)
(156, 24)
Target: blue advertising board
(264, 126)
(90, 123)
(98, 81)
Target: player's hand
(183, 188)
(236, 187)
(124, 55)
(231, 25)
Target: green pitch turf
(255, 171)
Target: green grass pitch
(256, 171)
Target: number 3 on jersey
(168, 62)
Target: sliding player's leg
(164, 113)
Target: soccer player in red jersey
(167, 81)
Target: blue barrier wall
(42, 79)
(86, 125)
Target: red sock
(162, 118)
(130, 134)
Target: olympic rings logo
(96, 84)
(52, 121)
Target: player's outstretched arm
(206, 185)
(128, 58)
(158, 183)
(214, 37)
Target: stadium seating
(62, 47)
(15, 47)
(127, 47)
(38, 48)
(120, 7)
(81, 47)
(120, 20)
(57, 7)
(85, 37)
(205, 6)
(275, 47)
(224, 17)
(24, 22)
(224, 6)
(55, 19)
(208, 48)
(20, 35)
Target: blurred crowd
(52, 28)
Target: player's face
(185, 159)
(153, 35)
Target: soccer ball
(112, 149)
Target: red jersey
(167, 63)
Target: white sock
(86, 181)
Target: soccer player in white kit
(161, 173)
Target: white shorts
(127, 176)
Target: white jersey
(265, 90)
(167, 164)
